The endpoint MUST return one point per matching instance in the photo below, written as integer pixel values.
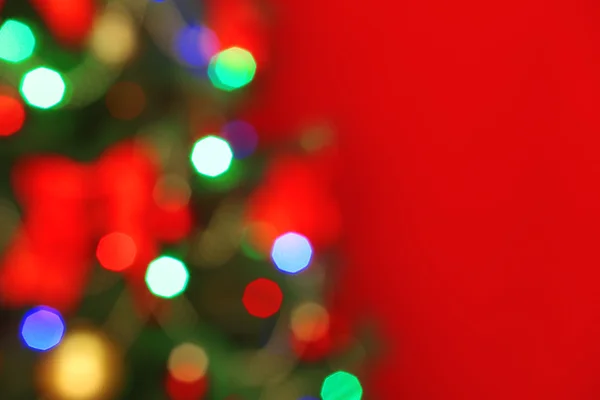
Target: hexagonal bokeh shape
(17, 41)
(291, 253)
(341, 385)
(42, 328)
(211, 156)
(167, 277)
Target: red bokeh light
(69, 20)
(262, 298)
(179, 390)
(116, 251)
(12, 115)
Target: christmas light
(116, 251)
(114, 38)
(262, 298)
(12, 115)
(43, 88)
(196, 45)
(291, 253)
(42, 328)
(257, 240)
(341, 386)
(232, 69)
(309, 322)
(167, 277)
(242, 138)
(211, 156)
(188, 363)
(17, 41)
(84, 367)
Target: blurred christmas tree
(126, 157)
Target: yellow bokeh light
(310, 322)
(83, 367)
(187, 363)
(114, 37)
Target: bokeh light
(232, 69)
(116, 251)
(341, 386)
(17, 41)
(172, 192)
(242, 138)
(43, 88)
(211, 156)
(12, 115)
(114, 37)
(42, 328)
(125, 100)
(262, 298)
(196, 45)
(86, 366)
(258, 239)
(167, 277)
(309, 322)
(180, 390)
(291, 253)
(188, 362)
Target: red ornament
(73, 210)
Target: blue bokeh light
(196, 45)
(291, 253)
(242, 138)
(42, 328)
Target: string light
(42, 328)
(17, 42)
(309, 322)
(43, 88)
(196, 45)
(116, 251)
(167, 277)
(114, 38)
(84, 367)
(341, 386)
(232, 69)
(172, 192)
(12, 115)
(187, 363)
(291, 253)
(257, 240)
(262, 298)
(211, 156)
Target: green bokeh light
(43, 88)
(211, 156)
(232, 69)
(167, 277)
(17, 41)
(341, 386)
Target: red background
(471, 190)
